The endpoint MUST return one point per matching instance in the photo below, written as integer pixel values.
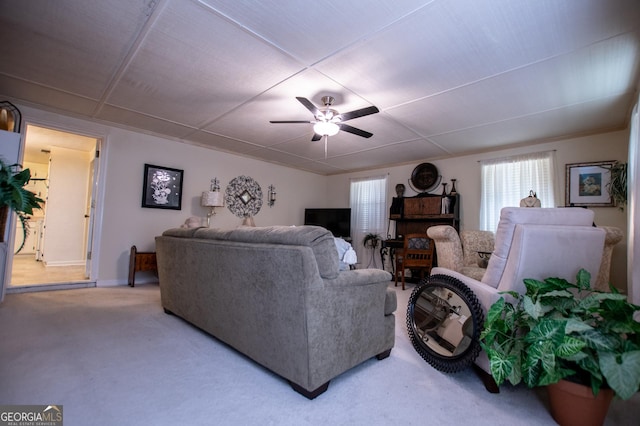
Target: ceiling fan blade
(294, 121)
(355, 131)
(308, 105)
(316, 137)
(359, 113)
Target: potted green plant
(617, 186)
(371, 240)
(558, 331)
(14, 196)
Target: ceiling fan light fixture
(325, 128)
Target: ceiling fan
(327, 121)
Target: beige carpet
(111, 356)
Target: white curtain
(505, 181)
(368, 215)
(633, 210)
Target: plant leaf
(576, 326)
(622, 372)
(599, 341)
(495, 312)
(548, 330)
(570, 346)
(501, 365)
(534, 310)
(583, 279)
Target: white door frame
(95, 172)
(97, 193)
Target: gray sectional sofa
(276, 294)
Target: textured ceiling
(449, 76)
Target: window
(368, 213)
(505, 181)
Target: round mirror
(444, 320)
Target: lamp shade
(212, 199)
(326, 128)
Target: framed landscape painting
(162, 187)
(587, 184)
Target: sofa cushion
(317, 238)
(180, 232)
(511, 216)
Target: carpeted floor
(111, 356)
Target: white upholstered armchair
(533, 243)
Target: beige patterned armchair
(612, 237)
(460, 252)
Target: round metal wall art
(243, 196)
(425, 177)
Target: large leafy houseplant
(14, 196)
(559, 330)
(617, 186)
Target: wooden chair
(417, 254)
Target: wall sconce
(271, 195)
(212, 199)
(10, 117)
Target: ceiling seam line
(505, 72)
(201, 126)
(522, 116)
(131, 53)
(250, 32)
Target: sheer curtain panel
(505, 181)
(368, 215)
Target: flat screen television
(338, 221)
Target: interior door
(91, 208)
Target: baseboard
(65, 263)
(30, 288)
(116, 283)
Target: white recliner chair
(533, 243)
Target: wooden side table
(140, 261)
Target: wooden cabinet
(416, 214)
(422, 207)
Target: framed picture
(162, 188)
(587, 184)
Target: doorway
(56, 249)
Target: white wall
(122, 222)
(466, 169)
(126, 223)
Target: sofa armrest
(354, 311)
(356, 279)
(360, 277)
(486, 294)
